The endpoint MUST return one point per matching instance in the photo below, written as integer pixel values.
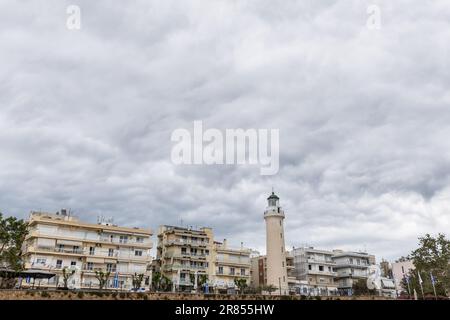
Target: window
(242, 272)
(123, 239)
(282, 264)
(281, 235)
(232, 271)
(309, 267)
(138, 253)
(183, 250)
(73, 263)
(110, 267)
(60, 247)
(41, 260)
(206, 252)
(76, 249)
(90, 266)
(91, 251)
(139, 240)
(281, 249)
(351, 261)
(58, 264)
(220, 270)
(320, 268)
(110, 252)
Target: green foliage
(241, 284)
(45, 294)
(12, 235)
(156, 279)
(80, 294)
(161, 282)
(359, 288)
(432, 255)
(269, 288)
(137, 280)
(67, 274)
(102, 278)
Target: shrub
(80, 294)
(45, 294)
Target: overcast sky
(364, 115)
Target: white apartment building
(350, 267)
(230, 264)
(400, 270)
(186, 253)
(58, 241)
(316, 267)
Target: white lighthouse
(275, 249)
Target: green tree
(102, 278)
(165, 284)
(241, 284)
(137, 280)
(67, 274)
(359, 288)
(269, 288)
(432, 256)
(12, 235)
(156, 281)
(201, 281)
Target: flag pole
(434, 287)
(421, 286)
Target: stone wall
(108, 295)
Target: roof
(273, 196)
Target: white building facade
(60, 241)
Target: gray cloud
(86, 116)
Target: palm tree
(270, 288)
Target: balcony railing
(177, 266)
(95, 253)
(93, 238)
(185, 242)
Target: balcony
(92, 238)
(182, 242)
(186, 255)
(244, 262)
(177, 266)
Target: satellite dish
(374, 278)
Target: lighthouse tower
(275, 249)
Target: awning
(95, 260)
(69, 243)
(32, 273)
(388, 284)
